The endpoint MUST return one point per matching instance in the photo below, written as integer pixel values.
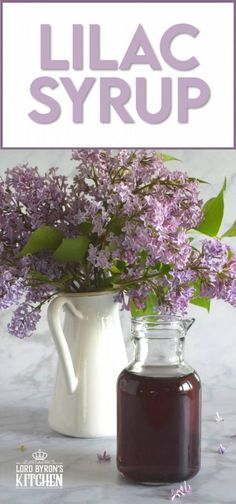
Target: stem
(39, 306)
(140, 279)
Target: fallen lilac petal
(105, 457)
(187, 488)
(176, 493)
(218, 417)
(221, 449)
(182, 490)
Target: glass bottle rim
(151, 322)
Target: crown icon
(39, 456)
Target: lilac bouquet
(126, 223)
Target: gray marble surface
(27, 373)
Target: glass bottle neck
(157, 357)
(159, 351)
(159, 345)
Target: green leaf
(115, 280)
(161, 268)
(111, 247)
(167, 157)
(121, 265)
(85, 227)
(197, 287)
(43, 279)
(143, 255)
(231, 231)
(230, 254)
(213, 214)
(150, 303)
(115, 226)
(114, 269)
(43, 238)
(202, 302)
(72, 249)
(36, 275)
(165, 268)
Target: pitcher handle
(60, 341)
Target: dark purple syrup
(158, 427)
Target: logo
(39, 472)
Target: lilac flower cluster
(136, 215)
(219, 271)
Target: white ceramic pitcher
(91, 353)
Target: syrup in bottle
(159, 406)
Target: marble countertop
(24, 421)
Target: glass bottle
(159, 405)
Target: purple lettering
(78, 47)
(131, 57)
(141, 101)
(184, 102)
(165, 46)
(96, 63)
(47, 63)
(53, 105)
(78, 96)
(118, 102)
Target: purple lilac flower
(136, 214)
(12, 285)
(39, 294)
(97, 258)
(220, 271)
(24, 321)
(215, 254)
(221, 450)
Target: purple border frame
(112, 1)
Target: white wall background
(27, 366)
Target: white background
(210, 126)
